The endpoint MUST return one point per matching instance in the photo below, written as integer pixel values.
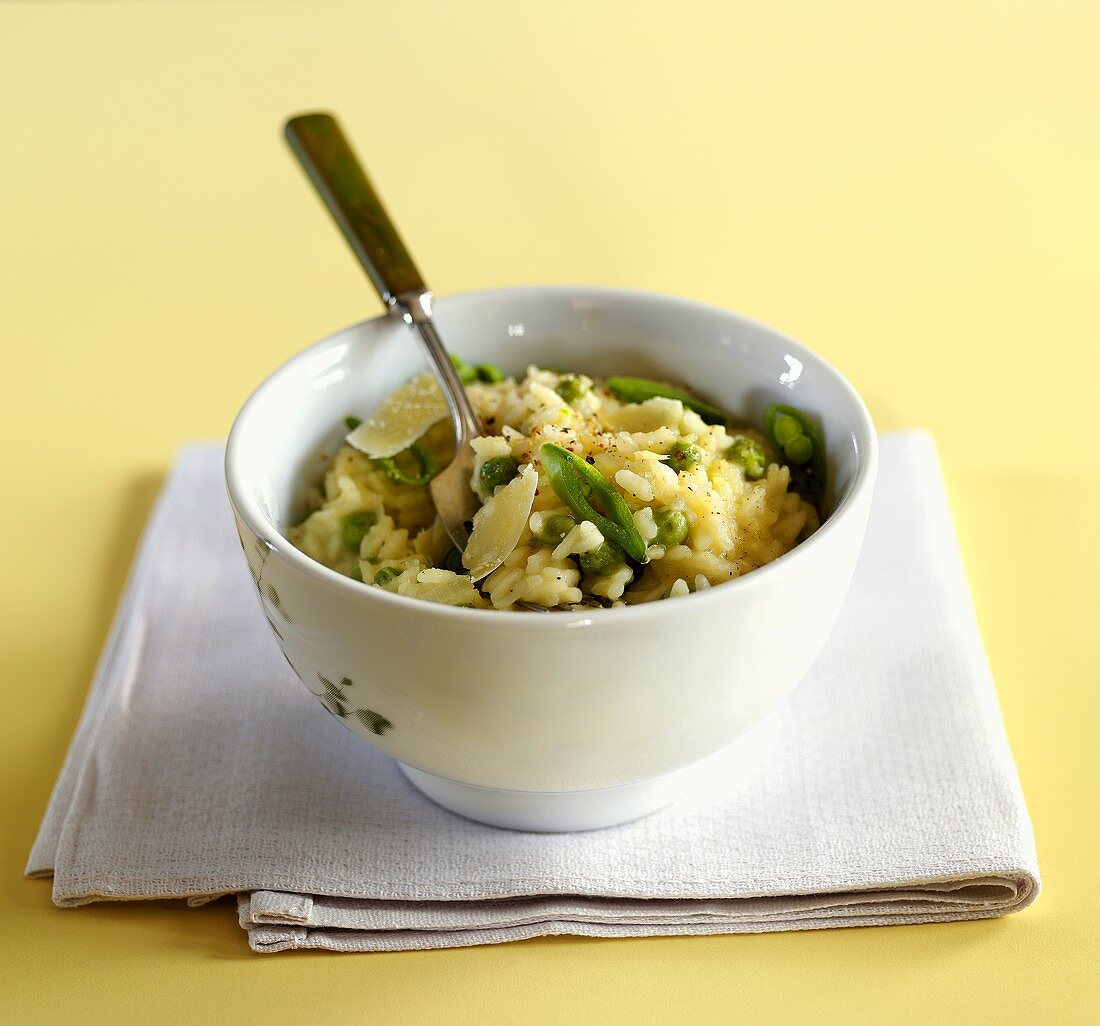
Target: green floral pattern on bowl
(333, 696)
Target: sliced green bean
(351, 423)
(354, 526)
(425, 460)
(466, 373)
(489, 372)
(356, 572)
(385, 575)
(749, 455)
(638, 390)
(585, 491)
(797, 438)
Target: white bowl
(565, 720)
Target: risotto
(615, 492)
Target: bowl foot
(566, 811)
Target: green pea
(351, 423)
(555, 527)
(672, 527)
(356, 572)
(684, 456)
(424, 459)
(800, 444)
(749, 456)
(489, 372)
(786, 429)
(453, 561)
(573, 387)
(385, 575)
(602, 560)
(466, 373)
(354, 527)
(799, 450)
(496, 471)
(591, 497)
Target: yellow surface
(912, 189)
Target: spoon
(331, 164)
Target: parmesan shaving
(499, 524)
(401, 419)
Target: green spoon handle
(327, 156)
(339, 178)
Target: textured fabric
(883, 791)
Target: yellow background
(913, 189)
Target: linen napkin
(882, 791)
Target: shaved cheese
(401, 419)
(499, 524)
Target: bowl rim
(241, 500)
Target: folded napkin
(883, 791)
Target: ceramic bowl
(564, 720)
